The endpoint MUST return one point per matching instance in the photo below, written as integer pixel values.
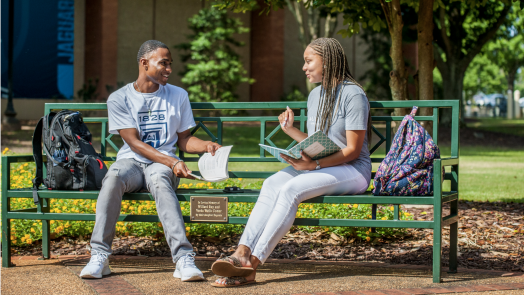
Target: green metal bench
(41, 212)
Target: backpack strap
(413, 111)
(37, 155)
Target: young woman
(339, 107)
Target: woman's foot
(227, 282)
(236, 265)
(251, 262)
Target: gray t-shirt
(352, 114)
(158, 117)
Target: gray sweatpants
(129, 175)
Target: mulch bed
(491, 236)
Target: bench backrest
(300, 117)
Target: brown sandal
(231, 282)
(223, 267)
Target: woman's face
(312, 65)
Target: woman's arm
(286, 123)
(355, 140)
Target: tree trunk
(398, 76)
(511, 105)
(426, 61)
(452, 82)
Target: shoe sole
(226, 269)
(105, 272)
(188, 279)
(232, 286)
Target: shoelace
(98, 258)
(189, 259)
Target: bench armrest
(451, 161)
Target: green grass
(506, 126)
(490, 174)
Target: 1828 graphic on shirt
(153, 127)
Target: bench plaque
(209, 209)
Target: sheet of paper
(314, 149)
(214, 168)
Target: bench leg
(453, 248)
(453, 240)
(437, 252)
(374, 216)
(46, 230)
(6, 242)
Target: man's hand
(212, 147)
(304, 163)
(181, 170)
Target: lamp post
(10, 122)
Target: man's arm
(132, 138)
(193, 145)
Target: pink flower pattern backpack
(407, 169)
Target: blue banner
(43, 53)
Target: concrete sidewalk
(141, 275)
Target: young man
(151, 116)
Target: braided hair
(335, 70)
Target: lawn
(513, 127)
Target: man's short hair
(148, 47)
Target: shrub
(216, 71)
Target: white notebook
(316, 146)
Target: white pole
(509, 108)
(518, 110)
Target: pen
(285, 120)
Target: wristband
(173, 167)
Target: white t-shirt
(157, 116)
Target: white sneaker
(97, 267)
(187, 270)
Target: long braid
(335, 70)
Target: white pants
(280, 196)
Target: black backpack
(72, 162)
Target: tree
(507, 49)
(376, 14)
(217, 70)
(315, 15)
(483, 75)
(461, 29)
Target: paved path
(139, 275)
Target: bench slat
(247, 196)
(232, 220)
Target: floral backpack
(407, 169)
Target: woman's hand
(286, 119)
(304, 163)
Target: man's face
(158, 66)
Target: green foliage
(377, 77)
(215, 70)
(485, 76)
(294, 95)
(88, 91)
(497, 65)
